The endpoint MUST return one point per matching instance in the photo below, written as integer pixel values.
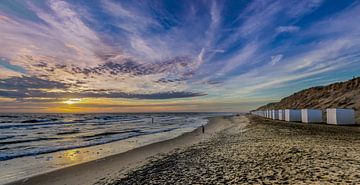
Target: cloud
(4, 18)
(245, 55)
(62, 47)
(132, 17)
(275, 59)
(59, 34)
(60, 95)
(289, 29)
(33, 87)
(24, 82)
(309, 55)
(5, 73)
(301, 8)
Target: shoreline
(119, 164)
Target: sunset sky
(151, 56)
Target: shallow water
(36, 143)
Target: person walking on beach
(203, 128)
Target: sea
(32, 144)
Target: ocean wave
(68, 132)
(32, 125)
(25, 140)
(37, 120)
(110, 133)
(6, 137)
(8, 116)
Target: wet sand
(265, 152)
(114, 167)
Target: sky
(165, 56)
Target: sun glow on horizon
(72, 101)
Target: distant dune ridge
(337, 95)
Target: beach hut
(311, 116)
(275, 114)
(292, 115)
(340, 116)
(271, 114)
(281, 114)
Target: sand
(116, 166)
(265, 152)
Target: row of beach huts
(333, 116)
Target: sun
(72, 101)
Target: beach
(233, 150)
(265, 152)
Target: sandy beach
(266, 152)
(116, 166)
(233, 150)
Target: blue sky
(109, 55)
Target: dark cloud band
(32, 87)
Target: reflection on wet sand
(73, 155)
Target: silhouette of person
(203, 128)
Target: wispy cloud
(289, 29)
(275, 59)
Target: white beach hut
(292, 115)
(340, 116)
(275, 114)
(311, 115)
(281, 114)
(271, 114)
